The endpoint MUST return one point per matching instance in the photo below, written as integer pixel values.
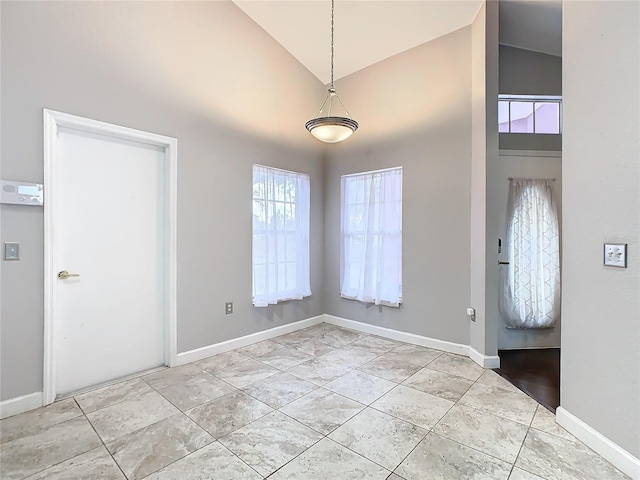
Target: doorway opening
(110, 252)
(529, 249)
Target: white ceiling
(368, 31)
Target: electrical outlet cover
(615, 255)
(12, 251)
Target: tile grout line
(361, 455)
(41, 429)
(293, 346)
(429, 430)
(101, 439)
(179, 412)
(305, 450)
(82, 415)
(325, 435)
(215, 438)
(477, 381)
(282, 413)
(343, 423)
(289, 402)
(369, 405)
(316, 387)
(524, 440)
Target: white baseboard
(204, 352)
(485, 361)
(616, 455)
(17, 405)
(443, 345)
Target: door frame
(53, 120)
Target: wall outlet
(12, 251)
(228, 308)
(615, 255)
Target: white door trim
(52, 121)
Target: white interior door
(109, 228)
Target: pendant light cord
(329, 128)
(332, 9)
(332, 91)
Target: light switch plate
(11, 251)
(615, 255)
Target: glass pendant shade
(331, 127)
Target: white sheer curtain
(280, 235)
(530, 293)
(371, 237)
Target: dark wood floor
(535, 372)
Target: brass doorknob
(64, 275)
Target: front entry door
(109, 257)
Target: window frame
(303, 287)
(380, 232)
(533, 99)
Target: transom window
(529, 114)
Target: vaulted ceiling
(367, 32)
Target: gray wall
(202, 72)
(478, 220)
(525, 166)
(600, 367)
(484, 154)
(523, 72)
(414, 111)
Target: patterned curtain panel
(530, 293)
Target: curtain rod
(279, 169)
(522, 178)
(372, 172)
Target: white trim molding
(52, 122)
(204, 352)
(22, 404)
(616, 455)
(485, 361)
(530, 153)
(443, 345)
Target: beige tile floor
(322, 403)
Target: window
(280, 236)
(371, 237)
(529, 114)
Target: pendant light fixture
(329, 126)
